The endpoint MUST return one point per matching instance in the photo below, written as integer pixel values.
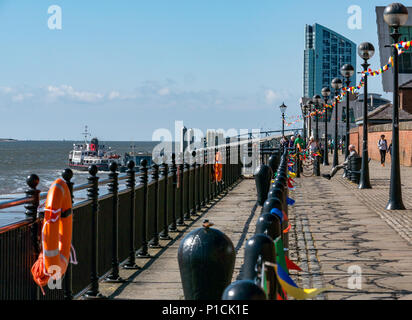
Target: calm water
(47, 159)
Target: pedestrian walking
(383, 149)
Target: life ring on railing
(56, 235)
(218, 167)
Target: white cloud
(163, 92)
(271, 96)
(65, 91)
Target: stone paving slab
(336, 226)
(159, 278)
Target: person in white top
(383, 149)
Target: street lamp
(326, 94)
(310, 106)
(366, 52)
(305, 113)
(283, 110)
(317, 100)
(395, 15)
(347, 72)
(336, 85)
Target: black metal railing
(109, 230)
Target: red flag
(291, 265)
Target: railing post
(131, 184)
(181, 220)
(187, 213)
(204, 174)
(93, 195)
(143, 253)
(113, 188)
(164, 234)
(198, 183)
(172, 226)
(31, 211)
(194, 185)
(67, 175)
(154, 242)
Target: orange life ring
(218, 167)
(56, 235)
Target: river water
(47, 159)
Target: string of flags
(401, 48)
(283, 264)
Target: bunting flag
(280, 253)
(287, 229)
(290, 201)
(291, 265)
(290, 286)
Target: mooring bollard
(206, 259)
(244, 290)
(113, 188)
(270, 225)
(273, 162)
(263, 177)
(270, 204)
(263, 246)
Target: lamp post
(347, 72)
(326, 94)
(283, 110)
(395, 15)
(310, 106)
(336, 85)
(305, 112)
(317, 100)
(366, 52)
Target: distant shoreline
(8, 140)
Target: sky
(127, 68)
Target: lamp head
(366, 50)
(347, 70)
(325, 92)
(395, 15)
(337, 83)
(283, 108)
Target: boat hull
(84, 167)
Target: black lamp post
(326, 94)
(395, 15)
(305, 113)
(310, 106)
(347, 72)
(366, 52)
(283, 110)
(317, 100)
(336, 85)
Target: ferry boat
(84, 155)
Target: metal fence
(109, 230)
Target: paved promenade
(337, 230)
(159, 278)
(339, 227)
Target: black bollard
(274, 162)
(206, 261)
(270, 225)
(244, 290)
(272, 203)
(263, 246)
(263, 176)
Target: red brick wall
(405, 143)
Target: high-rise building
(325, 53)
(405, 60)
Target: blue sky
(126, 68)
